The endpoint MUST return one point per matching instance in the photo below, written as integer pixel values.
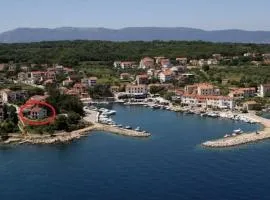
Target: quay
(244, 138)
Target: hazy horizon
(210, 15)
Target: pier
(244, 138)
(64, 137)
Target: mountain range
(26, 35)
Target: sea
(171, 164)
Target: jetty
(244, 138)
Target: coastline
(244, 138)
(64, 137)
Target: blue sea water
(170, 164)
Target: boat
(237, 131)
(155, 106)
(128, 127)
(110, 112)
(227, 135)
(138, 129)
(119, 125)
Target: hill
(25, 35)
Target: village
(157, 82)
(135, 86)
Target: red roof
(36, 109)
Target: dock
(244, 138)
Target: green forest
(74, 52)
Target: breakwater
(65, 137)
(245, 137)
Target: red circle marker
(31, 103)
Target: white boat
(237, 131)
(128, 127)
(227, 135)
(138, 129)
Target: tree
(205, 68)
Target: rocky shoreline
(65, 137)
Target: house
(38, 113)
(80, 88)
(50, 75)
(194, 62)
(67, 70)
(242, 93)
(217, 56)
(37, 75)
(264, 90)
(89, 82)
(206, 89)
(48, 82)
(63, 90)
(117, 64)
(212, 61)
(124, 76)
(22, 76)
(203, 89)
(142, 79)
(9, 96)
(251, 105)
(136, 89)
(158, 59)
(225, 81)
(39, 97)
(67, 82)
(202, 62)
(147, 63)
(128, 64)
(248, 54)
(24, 68)
(114, 89)
(165, 62)
(151, 72)
(266, 58)
(179, 69)
(221, 102)
(182, 61)
(193, 100)
(191, 89)
(72, 92)
(165, 76)
(59, 69)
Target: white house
(117, 64)
(136, 89)
(165, 76)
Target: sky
(204, 14)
